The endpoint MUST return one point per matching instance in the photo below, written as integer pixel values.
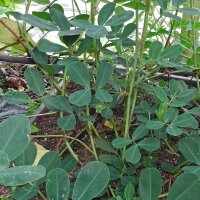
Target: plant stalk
(170, 147)
(194, 45)
(170, 32)
(15, 35)
(89, 130)
(61, 136)
(42, 195)
(145, 26)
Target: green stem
(53, 82)
(170, 147)
(93, 5)
(95, 130)
(61, 115)
(71, 150)
(115, 128)
(134, 102)
(194, 45)
(89, 130)
(73, 9)
(171, 29)
(145, 26)
(92, 141)
(7, 46)
(42, 114)
(64, 84)
(42, 195)
(132, 76)
(163, 195)
(129, 106)
(132, 73)
(198, 86)
(24, 33)
(92, 11)
(111, 191)
(61, 136)
(77, 7)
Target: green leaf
(57, 103)
(91, 181)
(173, 130)
(81, 23)
(140, 132)
(120, 18)
(14, 135)
(67, 123)
(177, 3)
(121, 142)
(96, 31)
(42, 2)
(185, 187)
(42, 14)
(26, 192)
(162, 4)
(45, 45)
(35, 81)
(104, 145)
(173, 87)
(103, 96)
(128, 29)
(190, 149)
(112, 160)
(171, 51)
(21, 175)
(60, 19)
(155, 49)
(150, 184)
(79, 73)
(104, 74)
(105, 13)
(57, 184)
(84, 46)
(4, 160)
(114, 174)
(106, 113)
(195, 111)
(161, 94)
(69, 41)
(154, 125)
(68, 163)
(80, 97)
(129, 179)
(129, 192)
(193, 170)
(14, 97)
(170, 114)
(67, 61)
(86, 118)
(27, 157)
(189, 11)
(50, 160)
(168, 167)
(118, 198)
(72, 32)
(40, 23)
(172, 16)
(185, 120)
(132, 154)
(149, 144)
(39, 57)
